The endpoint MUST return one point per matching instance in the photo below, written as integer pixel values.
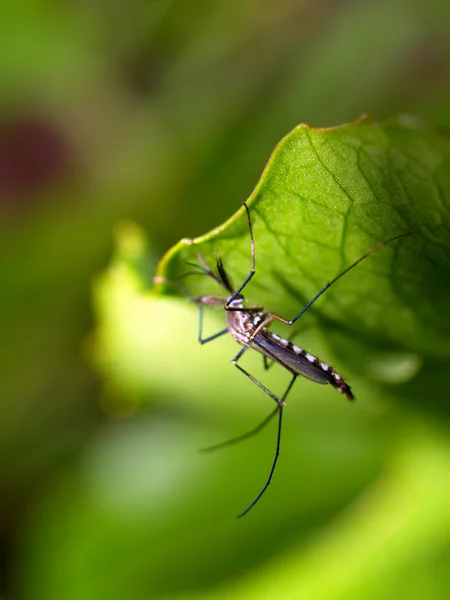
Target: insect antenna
(176, 284)
(224, 275)
(204, 268)
(222, 278)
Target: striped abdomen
(303, 363)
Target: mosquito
(249, 326)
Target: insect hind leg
(330, 283)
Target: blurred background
(164, 113)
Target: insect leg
(200, 329)
(330, 283)
(242, 437)
(280, 405)
(259, 427)
(277, 450)
(252, 269)
(260, 385)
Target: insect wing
(284, 352)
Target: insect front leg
(252, 269)
(200, 329)
(207, 301)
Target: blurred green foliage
(164, 113)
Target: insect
(249, 326)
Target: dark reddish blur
(33, 155)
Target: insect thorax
(242, 324)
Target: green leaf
(326, 197)
(142, 482)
